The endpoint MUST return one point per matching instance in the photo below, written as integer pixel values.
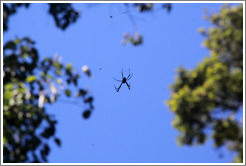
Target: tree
(209, 96)
(29, 84)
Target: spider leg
(119, 86)
(117, 89)
(122, 73)
(128, 85)
(129, 77)
(117, 80)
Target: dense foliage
(29, 84)
(209, 96)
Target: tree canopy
(209, 96)
(30, 84)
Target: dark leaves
(57, 141)
(44, 152)
(89, 100)
(81, 92)
(25, 100)
(86, 114)
(29, 85)
(64, 14)
(48, 132)
(10, 9)
(10, 45)
(144, 7)
(167, 6)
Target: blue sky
(129, 126)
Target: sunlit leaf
(31, 78)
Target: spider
(123, 81)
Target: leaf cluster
(209, 96)
(29, 84)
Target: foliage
(145, 7)
(10, 9)
(136, 39)
(63, 14)
(29, 85)
(209, 96)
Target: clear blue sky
(129, 126)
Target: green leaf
(69, 67)
(58, 72)
(67, 92)
(49, 76)
(17, 41)
(8, 86)
(131, 39)
(31, 78)
(5, 140)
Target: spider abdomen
(124, 80)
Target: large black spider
(123, 81)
